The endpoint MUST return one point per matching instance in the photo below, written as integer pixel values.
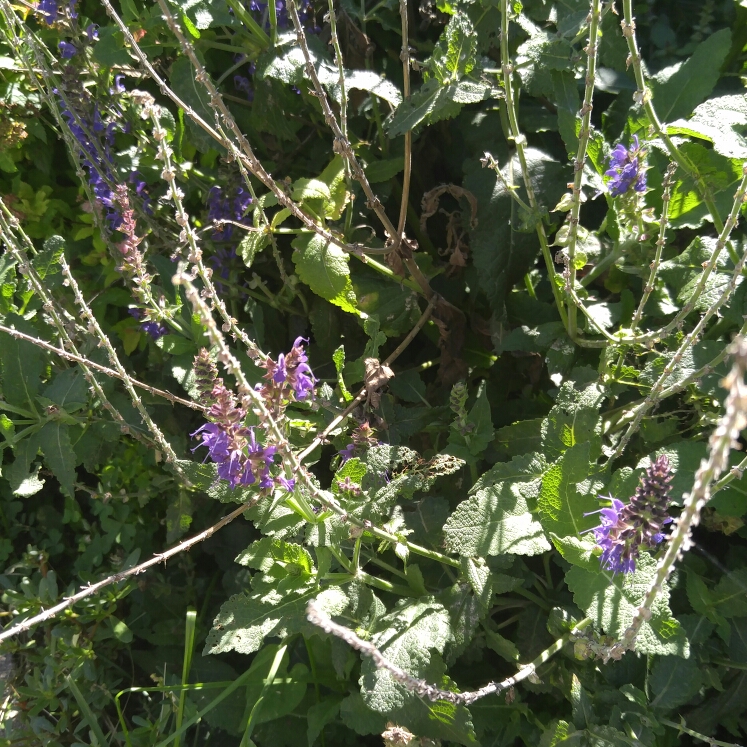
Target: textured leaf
(406, 636)
(495, 519)
(358, 717)
(574, 420)
(319, 715)
(22, 364)
(324, 268)
(674, 681)
(577, 551)
(246, 619)
(47, 261)
(504, 242)
(251, 245)
(433, 102)
(454, 54)
(471, 444)
(696, 357)
(562, 501)
(207, 13)
(383, 171)
(679, 89)
(68, 390)
(54, 441)
(183, 82)
(721, 175)
(611, 603)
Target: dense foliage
(440, 327)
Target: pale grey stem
(95, 329)
(321, 619)
(87, 363)
(87, 591)
(648, 288)
(580, 160)
(247, 157)
(341, 144)
(723, 439)
(690, 339)
(188, 235)
(407, 172)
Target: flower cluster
(227, 204)
(241, 459)
(305, 14)
(626, 528)
(48, 10)
(288, 377)
(363, 437)
(626, 169)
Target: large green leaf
(611, 601)
(324, 268)
(504, 243)
(54, 440)
(434, 102)
(22, 364)
(246, 619)
(496, 519)
(564, 499)
(406, 636)
(679, 89)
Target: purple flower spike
(92, 32)
(626, 528)
(290, 376)
(625, 169)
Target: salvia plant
(373, 373)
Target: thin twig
(88, 363)
(95, 329)
(520, 140)
(667, 184)
(580, 162)
(404, 55)
(424, 689)
(320, 438)
(690, 339)
(94, 588)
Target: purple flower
(118, 85)
(346, 454)
(625, 169)
(154, 329)
(626, 528)
(67, 50)
(244, 85)
(92, 32)
(224, 204)
(291, 374)
(47, 9)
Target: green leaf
(251, 245)
(454, 53)
(562, 500)
(568, 103)
(434, 102)
(518, 438)
(182, 79)
(408, 386)
(495, 519)
(358, 717)
(246, 619)
(319, 715)
(504, 242)
(383, 171)
(47, 261)
(479, 430)
(338, 358)
(354, 468)
(406, 636)
(611, 602)
(574, 420)
(68, 389)
(266, 553)
(54, 441)
(577, 551)
(110, 49)
(583, 712)
(679, 89)
(674, 681)
(721, 175)
(334, 177)
(22, 364)
(324, 268)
